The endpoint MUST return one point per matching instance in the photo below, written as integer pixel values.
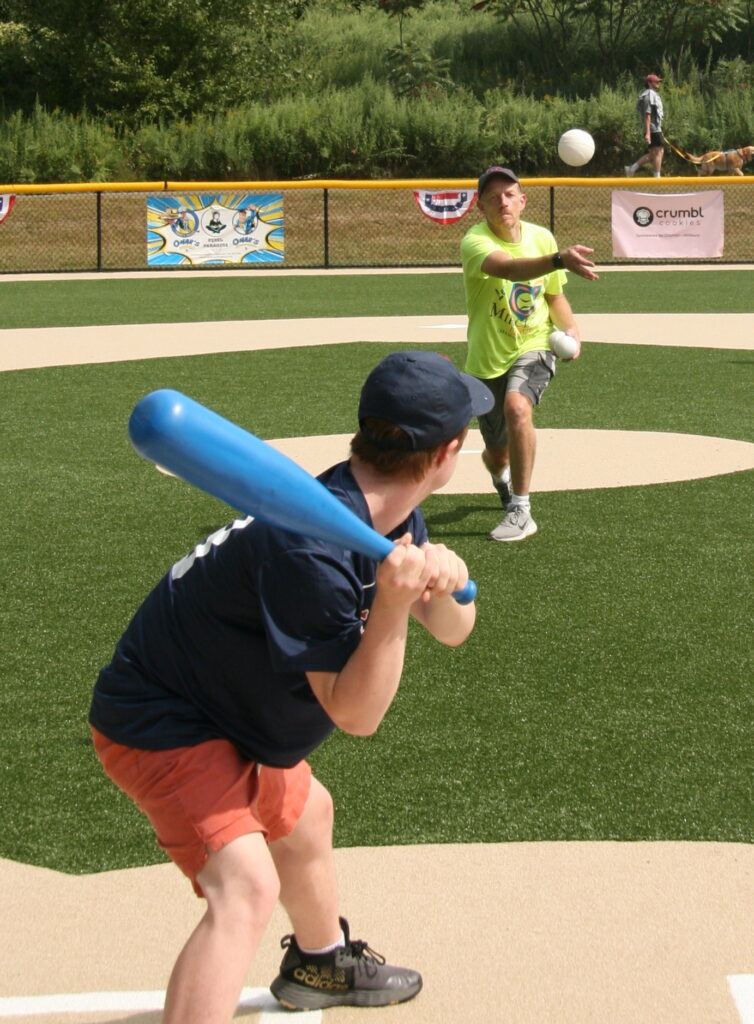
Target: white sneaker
(629, 171)
(517, 525)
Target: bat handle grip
(381, 548)
(467, 595)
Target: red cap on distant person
(653, 79)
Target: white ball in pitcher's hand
(563, 345)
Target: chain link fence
(332, 224)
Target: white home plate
(742, 989)
(82, 1003)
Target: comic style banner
(654, 225)
(445, 207)
(6, 205)
(235, 227)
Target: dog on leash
(728, 161)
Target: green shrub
(53, 147)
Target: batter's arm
(357, 698)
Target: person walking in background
(513, 277)
(245, 657)
(649, 106)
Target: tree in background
(143, 59)
(411, 69)
(400, 9)
(162, 60)
(626, 35)
(699, 27)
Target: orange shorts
(200, 798)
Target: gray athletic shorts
(529, 375)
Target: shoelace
(363, 950)
(367, 959)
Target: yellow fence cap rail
(637, 184)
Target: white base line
(742, 989)
(104, 1002)
(444, 327)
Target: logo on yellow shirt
(523, 300)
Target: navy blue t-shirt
(219, 649)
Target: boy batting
(244, 658)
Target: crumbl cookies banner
(237, 227)
(653, 225)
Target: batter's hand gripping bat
(221, 458)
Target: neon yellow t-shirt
(506, 318)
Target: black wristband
(557, 261)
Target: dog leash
(683, 154)
(697, 160)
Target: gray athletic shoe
(517, 525)
(503, 489)
(353, 975)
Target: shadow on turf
(456, 514)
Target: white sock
(634, 168)
(504, 477)
(520, 499)
(656, 174)
(326, 949)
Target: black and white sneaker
(352, 975)
(503, 488)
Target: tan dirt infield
(517, 933)
(23, 348)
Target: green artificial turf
(603, 695)
(605, 692)
(257, 296)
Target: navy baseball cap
(495, 172)
(425, 395)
